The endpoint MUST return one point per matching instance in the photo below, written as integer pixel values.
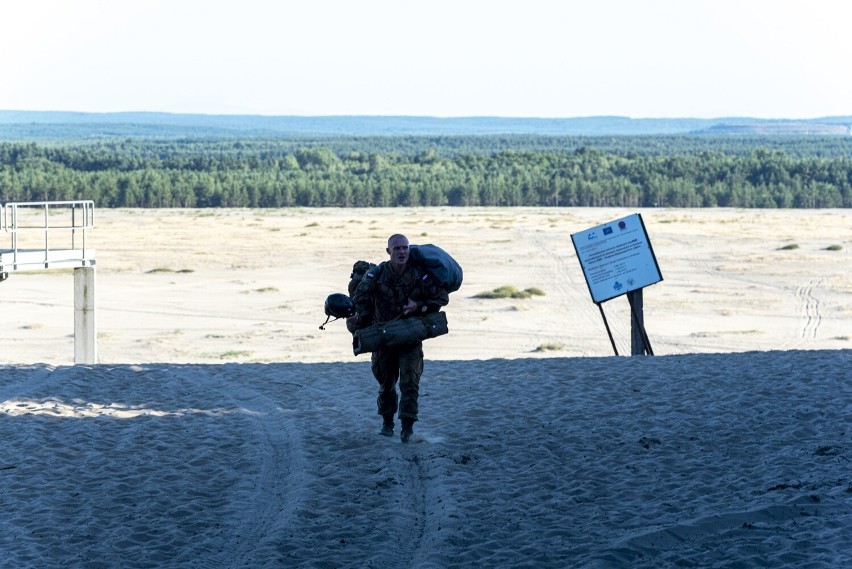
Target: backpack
(438, 264)
(359, 269)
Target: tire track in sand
(417, 509)
(274, 479)
(371, 500)
(569, 295)
(408, 526)
(810, 307)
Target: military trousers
(403, 364)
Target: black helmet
(339, 305)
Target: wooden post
(85, 329)
(637, 344)
(640, 345)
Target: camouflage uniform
(380, 297)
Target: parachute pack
(439, 265)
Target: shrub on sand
(550, 347)
(508, 291)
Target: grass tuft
(549, 348)
(508, 291)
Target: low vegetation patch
(229, 355)
(834, 248)
(549, 348)
(789, 247)
(508, 291)
(168, 270)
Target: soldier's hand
(410, 306)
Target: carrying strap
(327, 318)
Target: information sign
(616, 258)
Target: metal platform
(32, 259)
(52, 235)
(46, 235)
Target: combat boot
(407, 430)
(387, 426)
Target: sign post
(617, 258)
(640, 345)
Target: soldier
(396, 289)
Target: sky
(441, 58)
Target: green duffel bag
(399, 332)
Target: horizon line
(428, 116)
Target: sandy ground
(212, 286)
(222, 428)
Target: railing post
(85, 328)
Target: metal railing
(46, 217)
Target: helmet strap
(327, 318)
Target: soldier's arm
(432, 299)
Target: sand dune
(223, 429)
(697, 460)
(212, 286)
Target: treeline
(770, 172)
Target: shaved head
(398, 251)
(396, 237)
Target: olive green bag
(399, 332)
